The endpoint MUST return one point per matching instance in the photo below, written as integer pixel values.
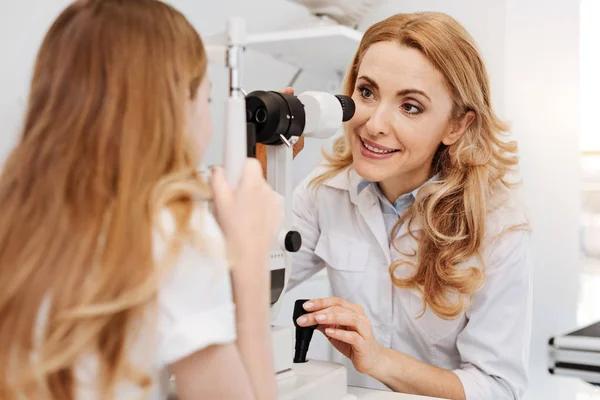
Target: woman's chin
(368, 171)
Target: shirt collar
(401, 203)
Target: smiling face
(402, 116)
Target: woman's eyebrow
(405, 92)
(369, 81)
(402, 92)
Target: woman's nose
(379, 121)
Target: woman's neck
(398, 185)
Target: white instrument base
(314, 380)
(283, 348)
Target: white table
(370, 394)
(324, 380)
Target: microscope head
(312, 114)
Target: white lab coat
(487, 346)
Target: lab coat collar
(349, 180)
(342, 180)
(366, 203)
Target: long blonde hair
(103, 148)
(451, 212)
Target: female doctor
(411, 215)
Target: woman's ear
(458, 128)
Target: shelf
(320, 49)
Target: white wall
(542, 67)
(590, 78)
(22, 26)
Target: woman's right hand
(249, 215)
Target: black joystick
(303, 333)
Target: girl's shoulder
(199, 231)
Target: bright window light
(590, 76)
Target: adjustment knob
(348, 107)
(293, 241)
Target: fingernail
(329, 331)
(308, 305)
(320, 317)
(302, 320)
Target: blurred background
(543, 57)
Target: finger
(347, 319)
(288, 90)
(222, 195)
(252, 177)
(253, 168)
(320, 304)
(336, 316)
(219, 184)
(311, 319)
(350, 337)
(322, 328)
(307, 320)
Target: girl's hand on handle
(249, 215)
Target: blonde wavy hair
(452, 211)
(104, 148)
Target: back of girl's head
(105, 126)
(453, 211)
(109, 92)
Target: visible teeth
(376, 150)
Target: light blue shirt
(392, 212)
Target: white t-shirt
(195, 310)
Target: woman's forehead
(396, 67)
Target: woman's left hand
(347, 328)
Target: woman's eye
(411, 108)
(365, 92)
